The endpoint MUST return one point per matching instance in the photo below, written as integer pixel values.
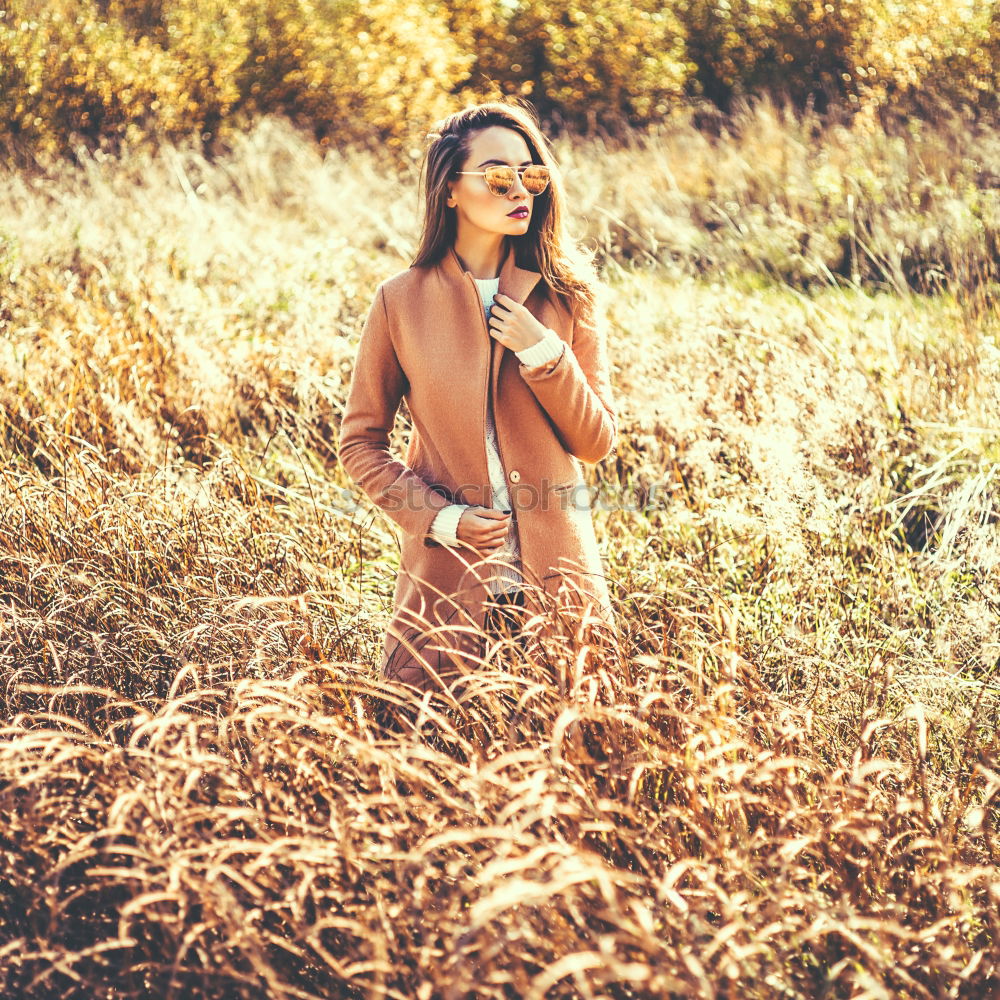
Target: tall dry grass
(780, 782)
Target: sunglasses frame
(518, 170)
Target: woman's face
(475, 206)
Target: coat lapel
(517, 282)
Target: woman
(490, 335)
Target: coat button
(515, 476)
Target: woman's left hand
(513, 324)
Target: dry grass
(781, 782)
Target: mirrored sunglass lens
(535, 179)
(499, 179)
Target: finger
(492, 532)
(493, 536)
(491, 523)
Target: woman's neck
(482, 257)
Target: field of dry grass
(783, 781)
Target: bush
(126, 72)
(66, 74)
(612, 61)
(911, 58)
(795, 47)
(352, 70)
(874, 56)
(209, 41)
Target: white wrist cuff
(549, 348)
(444, 527)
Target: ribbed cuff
(444, 527)
(549, 348)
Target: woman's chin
(512, 227)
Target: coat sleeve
(377, 386)
(575, 390)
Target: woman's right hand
(484, 528)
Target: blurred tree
(590, 64)
(121, 72)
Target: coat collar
(517, 282)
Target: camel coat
(425, 340)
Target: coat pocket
(574, 495)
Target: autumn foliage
(114, 72)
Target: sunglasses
(500, 178)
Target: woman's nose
(518, 189)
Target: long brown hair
(566, 268)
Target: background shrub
(872, 55)
(66, 72)
(796, 47)
(351, 70)
(913, 58)
(209, 41)
(130, 72)
(126, 72)
(611, 62)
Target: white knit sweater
(445, 524)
